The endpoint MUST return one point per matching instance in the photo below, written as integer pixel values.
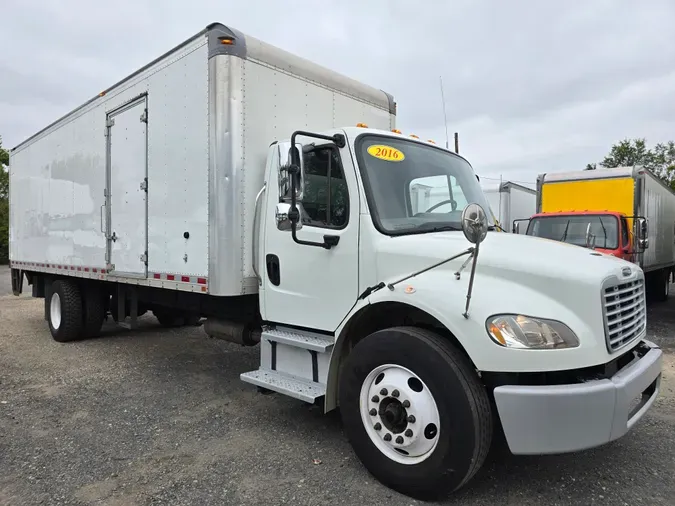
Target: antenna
(445, 118)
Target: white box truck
(511, 201)
(227, 180)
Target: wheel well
(376, 317)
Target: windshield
(416, 188)
(572, 229)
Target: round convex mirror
(474, 223)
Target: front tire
(415, 412)
(64, 311)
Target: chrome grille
(625, 312)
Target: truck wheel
(169, 318)
(65, 311)
(415, 412)
(94, 310)
(663, 285)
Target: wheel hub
(394, 415)
(399, 414)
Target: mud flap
(17, 281)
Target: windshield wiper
(564, 236)
(436, 228)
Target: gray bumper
(566, 418)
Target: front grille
(625, 312)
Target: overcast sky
(531, 86)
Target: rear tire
(64, 311)
(169, 318)
(94, 309)
(662, 285)
(441, 387)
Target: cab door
(308, 285)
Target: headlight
(517, 331)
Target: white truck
(223, 181)
(511, 201)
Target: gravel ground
(159, 416)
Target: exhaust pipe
(239, 333)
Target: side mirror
(474, 223)
(289, 156)
(281, 214)
(590, 238)
(642, 233)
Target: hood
(507, 256)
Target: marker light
(414, 136)
(362, 125)
(396, 131)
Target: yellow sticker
(386, 153)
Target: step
(293, 387)
(299, 339)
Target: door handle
(102, 206)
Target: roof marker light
(414, 136)
(396, 130)
(362, 125)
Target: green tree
(629, 152)
(4, 205)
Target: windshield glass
(416, 188)
(572, 229)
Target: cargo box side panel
(57, 185)
(657, 204)
(58, 177)
(178, 162)
(277, 103)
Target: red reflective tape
(59, 266)
(86, 269)
(94, 269)
(157, 276)
(201, 281)
(72, 268)
(170, 277)
(185, 279)
(79, 268)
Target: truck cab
(607, 232)
(407, 309)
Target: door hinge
(144, 185)
(144, 258)
(110, 122)
(144, 116)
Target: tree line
(4, 205)
(629, 152)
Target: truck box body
(511, 201)
(168, 163)
(631, 191)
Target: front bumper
(565, 418)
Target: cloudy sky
(531, 86)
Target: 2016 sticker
(386, 153)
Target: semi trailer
(627, 212)
(231, 181)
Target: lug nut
(406, 404)
(373, 412)
(387, 437)
(383, 391)
(375, 398)
(411, 419)
(399, 440)
(408, 433)
(377, 426)
(395, 393)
